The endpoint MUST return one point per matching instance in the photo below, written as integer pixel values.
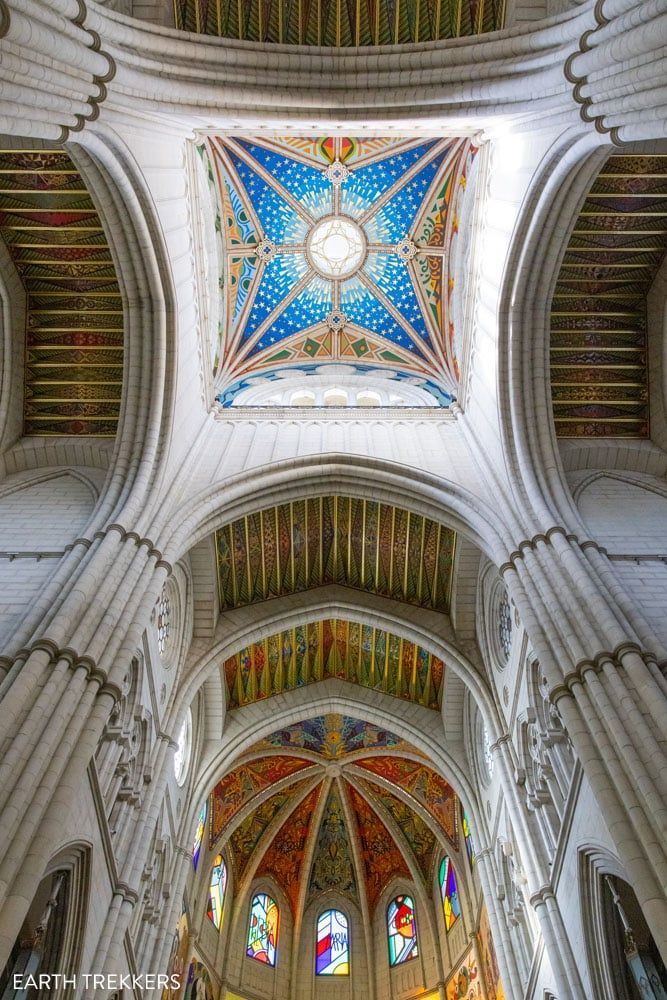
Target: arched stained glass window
(263, 929)
(449, 893)
(216, 891)
(333, 944)
(467, 836)
(401, 930)
(199, 834)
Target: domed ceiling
(374, 22)
(336, 250)
(333, 803)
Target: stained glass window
(161, 619)
(333, 944)
(216, 891)
(467, 836)
(199, 835)
(401, 930)
(182, 754)
(263, 929)
(505, 625)
(488, 753)
(449, 893)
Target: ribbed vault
(333, 803)
(599, 378)
(74, 325)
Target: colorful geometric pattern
(418, 834)
(449, 893)
(382, 860)
(599, 378)
(285, 856)
(363, 544)
(332, 866)
(216, 892)
(334, 24)
(74, 328)
(332, 952)
(243, 783)
(263, 929)
(488, 960)
(423, 784)
(393, 198)
(333, 736)
(465, 984)
(467, 837)
(401, 930)
(357, 653)
(247, 835)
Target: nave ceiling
(333, 803)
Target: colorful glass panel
(333, 945)
(449, 893)
(263, 929)
(401, 930)
(467, 836)
(199, 834)
(505, 625)
(216, 891)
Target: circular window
(182, 755)
(161, 619)
(336, 247)
(504, 622)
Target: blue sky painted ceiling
(337, 249)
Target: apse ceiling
(333, 803)
(74, 322)
(363, 544)
(373, 22)
(599, 377)
(329, 648)
(337, 250)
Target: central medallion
(336, 247)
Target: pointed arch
(263, 927)
(332, 954)
(449, 893)
(401, 930)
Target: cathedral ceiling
(373, 22)
(353, 652)
(362, 544)
(333, 822)
(74, 323)
(336, 250)
(599, 378)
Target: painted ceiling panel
(285, 856)
(74, 335)
(330, 23)
(332, 648)
(418, 834)
(245, 839)
(343, 228)
(333, 736)
(242, 784)
(599, 378)
(357, 543)
(427, 787)
(332, 867)
(380, 854)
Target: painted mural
(332, 866)
(178, 955)
(488, 959)
(199, 985)
(381, 857)
(599, 375)
(427, 787)
(242, 784)
(247, 835)
(288, 304)
(333, 648)
(466, 983)
(419, 836)
(285, 857)
(74, 328)
(333, 736)
(335, 24)
(363, 544)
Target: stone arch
(613, 498)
